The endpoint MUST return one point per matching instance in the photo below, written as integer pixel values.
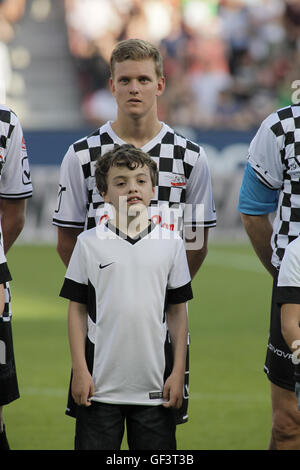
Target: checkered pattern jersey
(274, 154)
(183, 176)
(15, 181)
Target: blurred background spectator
(11, 11)
(228, 63)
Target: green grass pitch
(228, 320)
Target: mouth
(134, 100)
(134, 200)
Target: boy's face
(135, 85)
(133, 186)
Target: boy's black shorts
(278, 365)
(9, 390)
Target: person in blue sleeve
(271, 183)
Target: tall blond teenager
(137, 82)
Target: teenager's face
(133, 186)
(136, 86)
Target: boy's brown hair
(136, 49)
(124, 155)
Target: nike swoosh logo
(105, 265)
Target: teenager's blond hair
(136, 49)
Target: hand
(82, 387)
(173, 391)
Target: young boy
(117, 281)
(289, 298)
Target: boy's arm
(82, 382)
(178, 330)
(290, 320)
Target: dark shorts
(278, 365)
(9, 390)
(101, 427)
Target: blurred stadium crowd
(228, 63)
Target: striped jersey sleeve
(15, 180)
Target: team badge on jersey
(178, 181)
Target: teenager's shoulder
(173, 136)
(99, 140)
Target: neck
(137, 132)
(132, 225)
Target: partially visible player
(116, 282)
(288, 297)
(15, 188)
(137, 81)
(272, 183)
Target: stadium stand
(42, 88)
(228, 63)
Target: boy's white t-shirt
(124, 284)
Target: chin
(136, 209)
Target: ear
(153, 191)
(161, 83)
(105, 197)
(112, 86)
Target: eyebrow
(125, 177)
(127, 77)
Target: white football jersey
(124, 283)
(289, 273)
(274, 154)
(15, 180)
(183, 179)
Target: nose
(133, 88)
(132, 186)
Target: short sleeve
(199, 192)
(75, 286)
(288, 284)
(255, 198)
(289, 273)
(265, 157)
(15, 177)
(179, 281)
(72, 198)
